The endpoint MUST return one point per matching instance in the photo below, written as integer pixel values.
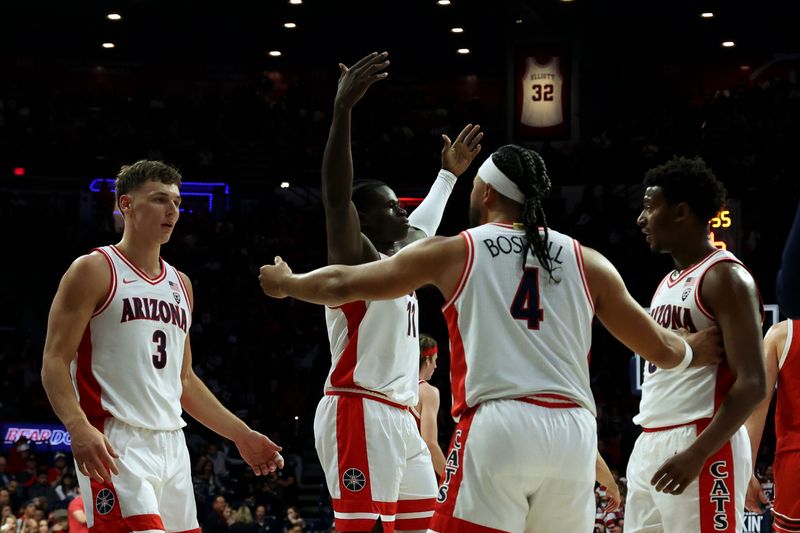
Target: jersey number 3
(526, 302)
(160, 357)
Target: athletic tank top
(680, 397)
(541, 94)
(130, 357)
(787, 408)
(516, 333)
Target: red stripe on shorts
(108, 515)
(451, 524)
(717, 491)
(453, 473)
(415, 507)
(354, 476)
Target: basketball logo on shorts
(354, 479)
(104, 502)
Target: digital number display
(725, 228)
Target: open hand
(93, 453)
(273, 276)
(706, 345)
(678, 472)
(457, 156)
(755, 498)
(354, 81)
(260, 453)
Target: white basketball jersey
(541, 94)
(375, 348)
(516, 333)
(669, 397)
(130, 357)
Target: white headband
(493, 176)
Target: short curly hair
(689, 180)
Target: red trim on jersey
(89, 390)
(685, 272)
(112, 283)
(453, 475)
(139, 271)
(351, 442)
(717, 489)
(342, 375)
(113, 521)
(185, 292)
(786, 508)
(787, 407)
(458, 363)
(367, 396)
(703, 421)
(468, 264)
(562, 402)
(723, 383)
(414, 506)
(582, 270)
(197, 530)
(502, 224)
(698, 299)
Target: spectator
(294, 518)
(216, 521)
(66, 490)
(44, 526)
(4, 476)
(42, 489)
(243, 521)
(9, 525)
(76, 515)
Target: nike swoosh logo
(129, 280)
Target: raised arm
(433, 261)
(346, 244)
(82, 290)
(626, 320)
(456, 158)
(258, 451)
(730, 294)
(774, 346)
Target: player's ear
(682, 212)
(124, 203)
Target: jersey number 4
(526, 302)
(160, 357)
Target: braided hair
(527, 170)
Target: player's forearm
(428, 215)
(755, 425)
(203, 406)
(738, 405)
(437, 457)
(324, 286)
(57, 383)
(337, 161)
(602, 473)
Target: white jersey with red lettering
(516, 333)
(130, 357)
(672, 398)
(375, 348)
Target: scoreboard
(725, 228)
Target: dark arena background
(240, 101)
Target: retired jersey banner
(542, 87)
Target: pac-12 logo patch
(354, 479)
(685, 294)
(104, 502)
(177, 297)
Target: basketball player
(427, 409)
(519, 307)
(788, 288)
(692, 421)
(782, 351)
(118, 332)
(377, 466)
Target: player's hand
(93, 453)
(614, 498)
(259, 452)
(678, 472)
(457, 156)
(354, 81)
(755, 500)
(706, 345)
(273, 276)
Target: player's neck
(143, 254)
(502, 217)
(691, 253)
